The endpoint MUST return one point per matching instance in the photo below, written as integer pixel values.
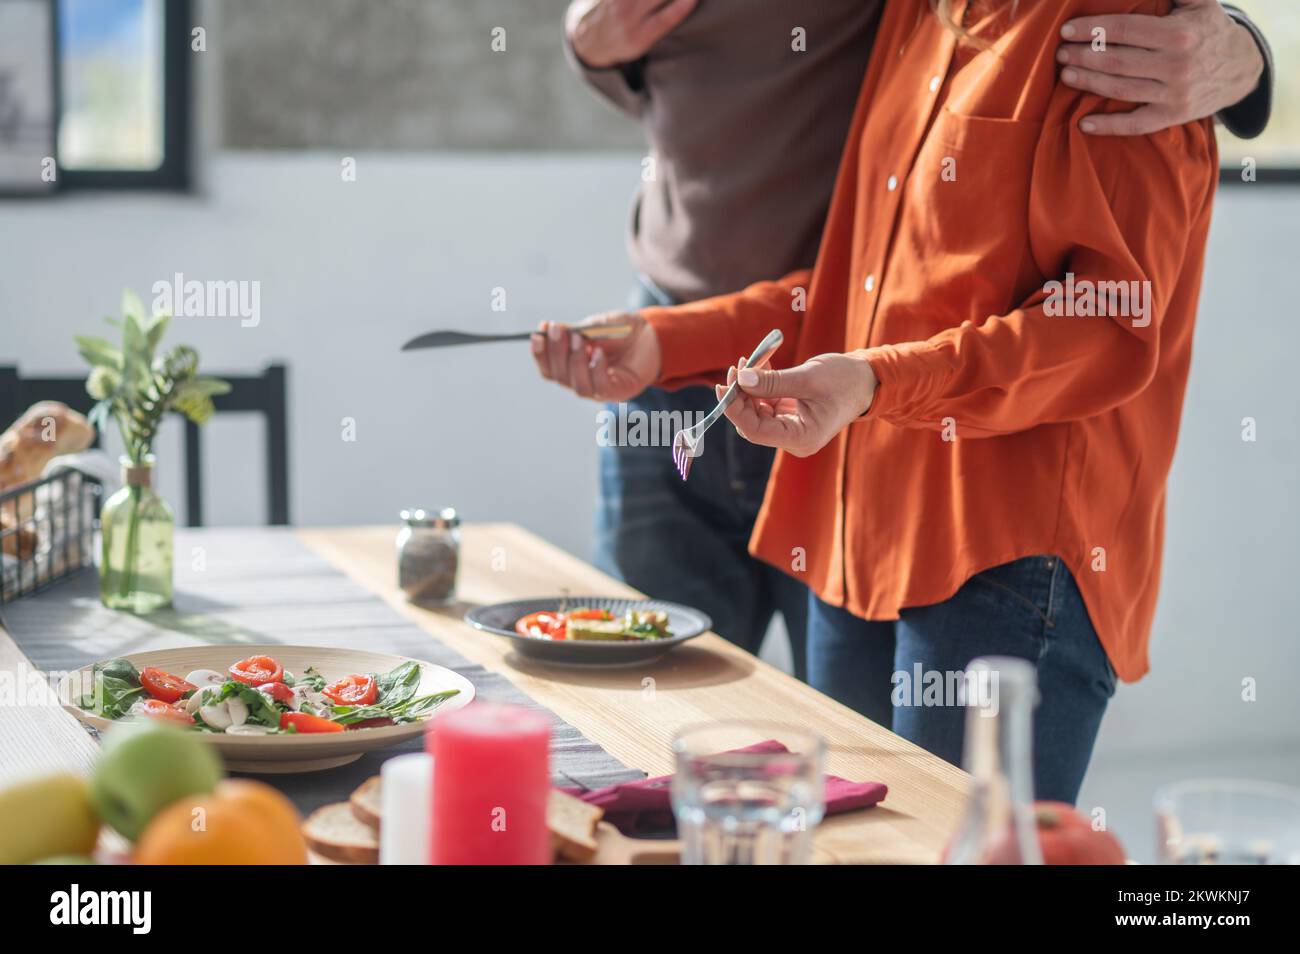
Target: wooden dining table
(633, 713)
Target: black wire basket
(47, 531)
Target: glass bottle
(428, 555)
(136, 527)
(999, 827)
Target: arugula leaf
(311, 678)
(406, 711)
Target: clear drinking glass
(748, 807)
(1228, 822)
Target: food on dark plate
(598, 625)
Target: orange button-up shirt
(1022, 408)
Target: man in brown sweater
(746, 106)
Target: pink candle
(491, 786)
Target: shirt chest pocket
(965, 221)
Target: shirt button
(934, 84)
(870, 283)
(892, 184)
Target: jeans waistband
(646, 294)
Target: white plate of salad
(271, 709)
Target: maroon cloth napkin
(643, 808)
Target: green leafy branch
(136, 386)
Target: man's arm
(1249, 117)
(1203, 59)
(605, 41)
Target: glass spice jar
(428, 555)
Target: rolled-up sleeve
(699, 340)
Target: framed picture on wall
(28, 97)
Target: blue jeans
(1029, 608)
(686, 541)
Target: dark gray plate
(500, 618)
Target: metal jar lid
(444, 519)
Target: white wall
(349, 270)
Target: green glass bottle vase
(136, 525)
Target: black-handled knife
(447, 339)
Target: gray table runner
(265, 586)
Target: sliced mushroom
(195, 701)
(248, 728)
(206, 677)
(237, 708)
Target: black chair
(263, 394)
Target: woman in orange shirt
(977, 406)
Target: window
(94, 94)
(1276, 154)
(28, 109)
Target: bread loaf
(47, 430)
(20, 543)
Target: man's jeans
(1030, 608)
(686, 541)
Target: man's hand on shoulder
(1193, 63)
(606, 33)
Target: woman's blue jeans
(1029, 608)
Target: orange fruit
(241, 822)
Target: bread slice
(605, 630)
(366, 804)
(573, 826)
(334, 832)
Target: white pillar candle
(406, 794)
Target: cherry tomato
(256, 670)
(164, 711)
(305, 722)
(163, 685)
(278, 691)
(353, 691)
(541, 625)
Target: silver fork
(686, 442)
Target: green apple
(143, 768)
(46, 816)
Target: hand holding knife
(446, 339)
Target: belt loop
(1054, 571)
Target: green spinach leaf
(112, 696)
(261, 710)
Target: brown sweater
(747, 132)
(746, 135)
